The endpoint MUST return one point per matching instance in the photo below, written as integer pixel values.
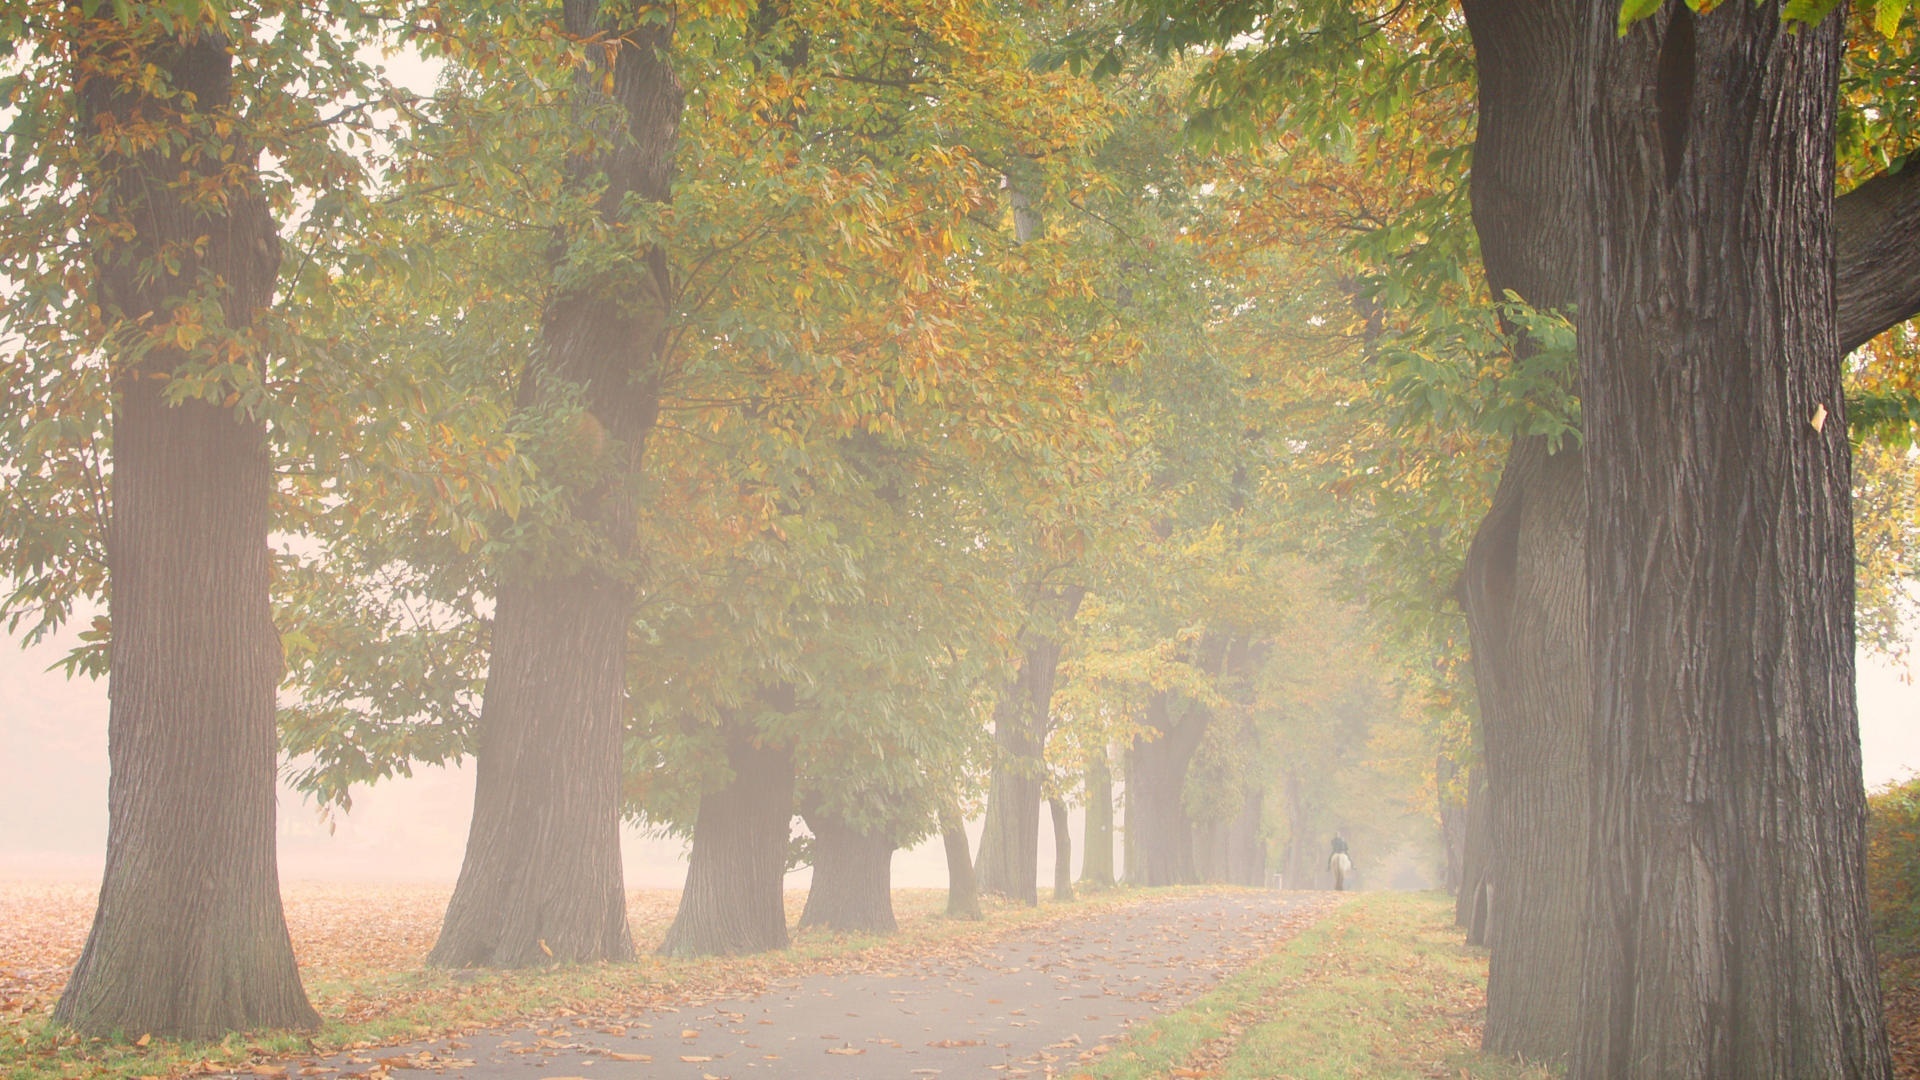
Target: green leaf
(1632, 11)
(1886, 16)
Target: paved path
(1031, 1005)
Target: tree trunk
(963, 893)
(1453, 827)
(1062, 851)
(852, 878)
(1010, 842)
(1157, 821)
(1473, 908)
(1728, 918)
(1096, 847)
(1527, 596)
(1524, 587)
(734, 899)
(188, 939)
(541, 881)
(1010, 846)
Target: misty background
(53, 793)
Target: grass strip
(1383, 988)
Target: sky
(53, 794)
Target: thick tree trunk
(852, 878)
(1157, 821)
(1009, 862)
(1728, 919)
(1062, 851)
(541, 881)
(963, 893)
(1524, 587)
(1096, 847)
(1527, 596)
(188, 939)
(734, 899)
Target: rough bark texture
(1729, 932)
(1096, 848)
(1524, 585)
(1157, 823)
(1527, 596)
(963, 893)
(733, 901)
(1876, 239)
(188, 939)
(852, 877)
(1062, 851)
(541, 881)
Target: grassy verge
(366, 1008)
(1382, 989)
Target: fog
(53, 794)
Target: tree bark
(189, 939)
(1096, 846)
(1527, 596)
(1009, 860)
(852, 877)
(1062, 851)
(1876, 240)
(963, 893)
(1524, 588)
(1157, 821)
(734, 899)
(541, 881)
(1527, 207)
(1728, 920)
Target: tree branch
(1876, 241)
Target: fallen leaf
(693, 1059)
(618, 1056)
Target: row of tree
(702, 416)
(713, 415)
(1663, 838)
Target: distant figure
(1340, 863)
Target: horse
(1341, 867)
